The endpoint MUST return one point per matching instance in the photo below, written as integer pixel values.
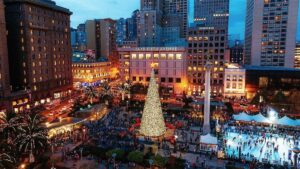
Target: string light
(152, 124)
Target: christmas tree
(153, 124)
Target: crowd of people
(263, 144)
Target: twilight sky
(96, 9)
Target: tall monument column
(206, 123)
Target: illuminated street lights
(114, 158)
(151, 163)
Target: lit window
(141, 56)
(171, 56)
(178, 56)
(163, 56)
(133, 56)
(148, 56)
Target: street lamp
(81, 149)
(114, 158)
(176, 137)
(151, 163)
(22, 166)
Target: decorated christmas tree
(153, 124)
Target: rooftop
(151, 49)
(270, 68)
(44, 3)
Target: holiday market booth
(208, 143)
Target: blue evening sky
(96, 9)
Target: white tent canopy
(260, 118)
(242, 117)
(285, 121)
(208, 139)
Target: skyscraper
(39, 48)
(175, 21)
(163, 23)
(121, 32)
(101, 36)
(211, 13)
(270, 33)
(149, 23)
(131, 24)
(207, 42)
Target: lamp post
(81, 149)
(151, 163)
(175, 146)
(114, 158)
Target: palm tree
(7, 160)
(9, 124)
(33, 137)
(123, 88)
(91, 93)
(105, 92)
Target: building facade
(234, 81)
(4, 68)
(175, 22)
(271, 79)
(270, 33)
(131, 24)
(163, 23)
(39, 48)
(149, 23)
(237, 53)
(211, 13)
(101, 36)
(168, 62)
(90, 73)
(297, 56)
(121, 33)
(206, 45)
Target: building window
(133, 78)
(227, 85)
(178, 80)
(178, 56)
(162, 79)
(148, 56)
(141, 56)
(148, 79)
(141, 79)
(171, 80)
(163, 56)
(170, 56)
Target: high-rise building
(149, 23)
(39, 48)
(297, 56)
(206, 45)
(270, 33)
(175, 21)
(207, 42)
(101, 36)
(211, 13)
(131, 24)
(4, 69)
(237, 53)
(121, 28)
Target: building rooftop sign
(141, 49)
